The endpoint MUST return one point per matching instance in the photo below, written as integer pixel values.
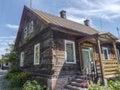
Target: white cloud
(4, 44)
(10, 37)
(12, 26)
(77, 19)
(104, 9)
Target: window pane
(25, 32)
(105, 54)
(70, 52)
(36, 53)
(31, 27)
(22, 59)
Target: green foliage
(14, 69)
(96, 87)
(16, 77)
(12, 57)
(114, 85)
(33, 85)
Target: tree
(10, 57)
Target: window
(36, 54)
(105, 53)
(31, 27)
(25, 33)
(28, 29)
(22, 59)
(70, 52)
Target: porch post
(115, 50)
(100, 59)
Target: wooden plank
(109, 65)
(110, 69)
(114, 61)
(110, 73)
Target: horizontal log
(110, 73)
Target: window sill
(70, 62)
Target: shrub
(16, 77)
(14, 69)
(34, 85)
(96, 87)
(114, 85)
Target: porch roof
(104, 37)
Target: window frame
(31, 27)
(25, 32)
(74, 54)
(22, 57)
(105, 48)
(36, 45)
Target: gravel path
(2, 73)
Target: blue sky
(103, 14)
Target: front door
(87, 58)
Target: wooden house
(57, 50)
(118, 49)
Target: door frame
(88, 50)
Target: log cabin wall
(41, 34)
(62, 68)
(45, 66)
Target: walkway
(2, 73)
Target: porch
(104, 54)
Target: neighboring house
(56, 50)
(4, 64)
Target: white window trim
(105, 48)
(68, 41)
(34, 53)
(22, 59)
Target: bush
(34, 85)
(114, 85)
(14, 69)
(16, 77)
(96, 87)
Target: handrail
(89, 69)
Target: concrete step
(78, 80)
(71, 87)
(75, 84)
(82, 77)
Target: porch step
(71, 87)
(78, 80)
(82, 77)
(76, 84)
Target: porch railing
(110, 68)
